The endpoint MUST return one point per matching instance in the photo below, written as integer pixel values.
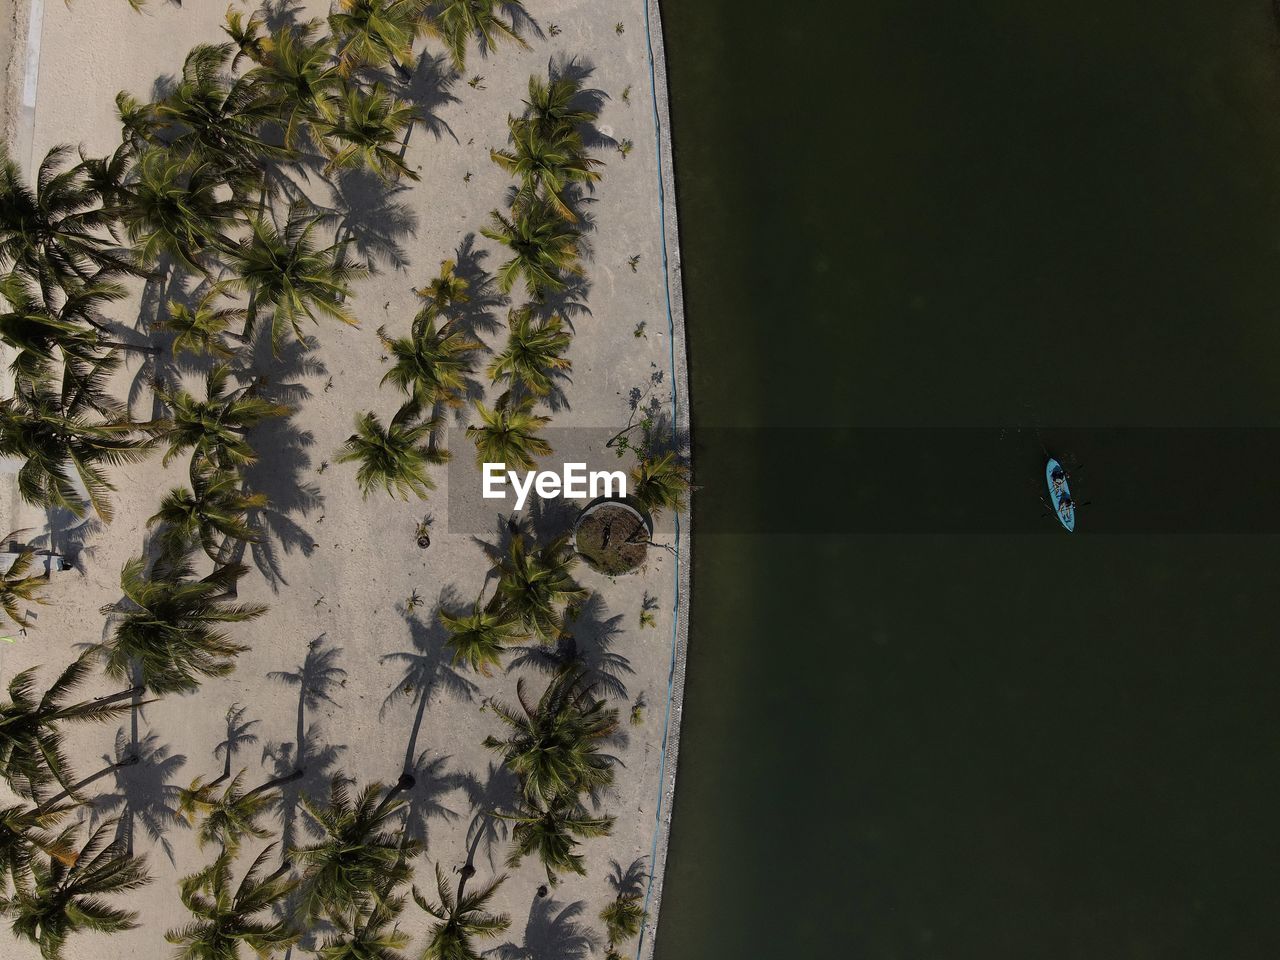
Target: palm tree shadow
(494, 792)
(506, 529)
(282, 14)
(158, 368)
(551, 518)
(570, 302)
(429, 88)
(586, 644)
(368, 218)
(317, 759)
(479, 315)
(68, 535)
(282, 455)
(628, 882)
(431, 782)
(588, 99)
(552, 932)
(316, 677)
(143, 794)
(427, 667)
(239, 733)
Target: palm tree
(552, 745)
(216, 117)
(298, 79)
(624, 915)
(212, 511)
(29, 325)
(544, 246)
(546, 164)
(226, 918)
(66, 451)
(534, 585)
(17, 586)
(172, 206)
(56, 232)
(24, 832)
(508, 434)
(287, 272)
(661, 482)
(199, 330)
(444, 291)
(375, 33)
(552, 833)
(244, 34)
(358, 850)
(170, 626)
(365, 129)
(393, 458)
(534, 352)
(69, 898)
(228, 817)
(456, 22)
(31, 752)
(430, 365)
(555, 107)
(369, 933)
(479, 637)
(215, 427)
(460, 919)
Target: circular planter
(612, 535)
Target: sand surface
(337, 569)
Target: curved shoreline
(679, 422)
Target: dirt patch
(613, 539)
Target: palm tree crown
(287, 272)
(430, 365)
(552, 832)
(457, 22)
(31, 752)
(534, 585)
(17, 586)
(508, 434)
(365, 132)
(68, 898)
(215, 427)
(460, 919)
(479, 637)
(56, 232)
(226, 917)
(553, 744)
(170, 625)
(356, 849)
(534, 353)
(543, 244)
(394, 458)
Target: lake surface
(926, 243)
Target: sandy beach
(340, 573)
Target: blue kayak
(1060, 494)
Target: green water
(944, 728)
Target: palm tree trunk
(277, 782)
(411, 751)
(250, 316)
(77, 787)
(468, 868)
(406, 782)
(302, 705)
(135, 347)
(122, 695)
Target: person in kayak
(1059, 478)
(1066, 504)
